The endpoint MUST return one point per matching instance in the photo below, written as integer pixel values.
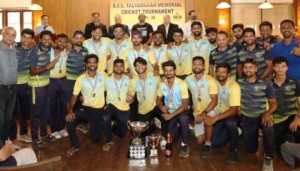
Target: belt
(7, 87)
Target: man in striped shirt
(224, 53)
(254, 51)
(256, 94)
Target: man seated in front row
(92, 86)
(12, 155)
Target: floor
(92, 158)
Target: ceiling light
(35, 7)
(223, 5)
(265, 5)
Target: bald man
(8, 79)
(167, 29)
(118, 20)
(144, 28)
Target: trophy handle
(128, 125)
(147, 125)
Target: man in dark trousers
(167, 29)
(96, 22)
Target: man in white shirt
(187, 26)
(44, 26)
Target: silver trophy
(153, 143)
(137, 148)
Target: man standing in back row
(144, 28)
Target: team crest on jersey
(288, 88)
(256, 88)
(259, 54)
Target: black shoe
(206, 152)
(232, 158)
(38, 144)
(48, 138)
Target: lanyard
(93, 86)
(157, 55)
(119, 89)
(138, 54)
(118, 50)
(170, 93)
(198, 47)
(143, 84)
(198, 88)
(97, 49)
(179, 54)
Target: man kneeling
(92, 87)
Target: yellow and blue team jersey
(100, 49)
(133, 54)
(202, 48)
(59, 70)
(201, 91)
(182, 58)
(118, 51)
(117, 91)
(173, 97)
(160, 55)
(92, 89)
(228, 95)
(146, 91)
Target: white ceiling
(16, 4)
(261, 1)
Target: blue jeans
(8, 96)
(58, 103)
(250, 130)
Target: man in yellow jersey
(204, 92)
(118, 98)
(92, 86)
(180, 54)
(58, 89)
(144, 85)
(98, 45)
(173, 110)
(225, 128)
(159, 50)
(138, 51)
(40, 66)
(199, 45)
(118, 47)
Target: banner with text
(154, 11)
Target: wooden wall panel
(70, 15)
(56, 10)
(79, 13)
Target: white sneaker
(25, 138)
(56, 135)
(63, 133)
(240, 131)
(157, 123)
(268, 164)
